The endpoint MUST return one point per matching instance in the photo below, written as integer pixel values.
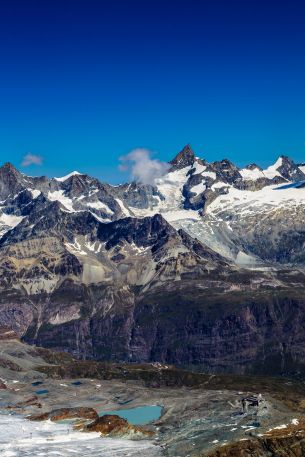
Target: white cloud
(142, 167)
(31, 159)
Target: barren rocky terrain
(200, 413)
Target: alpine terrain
(205, 267)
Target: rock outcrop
(115, 426)
(32, 401)
(288, 441)
(66, 413)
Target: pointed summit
(11, 181)
(286, 169)
(184, 158)
(9, 168)
(289, 170)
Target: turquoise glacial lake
(137, 416)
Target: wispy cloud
(142, 167)
(31, 159)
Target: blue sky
(84, 82)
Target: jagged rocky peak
(8, 167)
(288, 169)
(226, 171)
(254, 166)
(184, 158)
(76, 184)
(11, 180)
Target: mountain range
(203, 268)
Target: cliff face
(185, 324)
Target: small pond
(137, 416)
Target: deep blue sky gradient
(84, 82)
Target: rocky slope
(288, 441)
(201, 414)
(205, 267)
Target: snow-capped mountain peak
(64, 178)
(214, 202)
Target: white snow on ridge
(302, 168)
(219, 185)
(272, 171)
(100, 205)
(199, 168)
(251, 175)
(35, 193)
(199, 188)
(183, 214)
(209, 174)
(64, 178)
(58, 195)
(10, 220)
(75, 248)
(245, 202)
(124, 210)
(170, 186)
(254, 174)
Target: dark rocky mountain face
(205, 267)
(184, 158)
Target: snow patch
(199, 168)
(64, 178)
(170, 186)
(245, 202)
(123, 208)
(251, 175)
(219, 185)
(199, 188)
(58, 195)
(272, 171)
(209, 174)
(100, 206)
(75, 248)
(35, 193)
(302, 168)
(183, 214)
(10, 220)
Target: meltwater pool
(137, 416)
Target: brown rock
(67, 413)
(32, 401)
(108, 424)
(112, 425)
